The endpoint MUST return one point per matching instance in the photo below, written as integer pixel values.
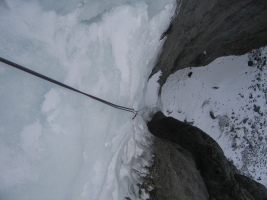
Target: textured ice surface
(56, 144)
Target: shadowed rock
(205, 30)
(221, 178)
(174, 174)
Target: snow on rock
(227, 100)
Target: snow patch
(227, 100)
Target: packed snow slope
(227, 100)
(54, 143)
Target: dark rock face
(174, 174)
(221, 178)
(207, 29)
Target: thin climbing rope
(66, 86)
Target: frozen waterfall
(56, 144)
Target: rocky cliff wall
(204, 30)
(174, 174)
(189, 164)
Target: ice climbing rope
(66, 86)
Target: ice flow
(56, 144)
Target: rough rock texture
(174, 174)
(207, 29)
(222, 180)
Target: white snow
(227, 100)
(54, 143)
